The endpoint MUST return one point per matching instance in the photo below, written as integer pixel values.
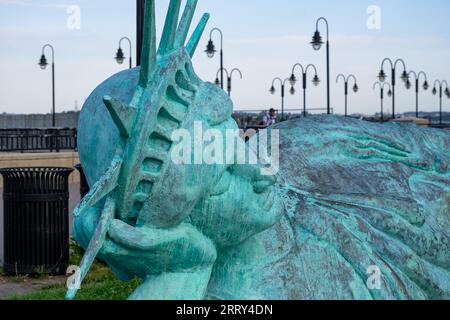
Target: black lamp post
(447, 93)
(389, 93)
(293, 80)
(416, 80)
(211, 51)
(120, 57)
(317, 44)
(229, 78)
(283, 86)
(43, 64)
(346, 81)
(140, 14)
(404, 77)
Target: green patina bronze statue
(356, 211)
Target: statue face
(228, 203)
(242, 204)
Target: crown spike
(149, 44)
(185, 23)
(122, 115)
(170, 27)
(197, 35)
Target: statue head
(145, 107)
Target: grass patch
(99, 284)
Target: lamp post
(447, 93)
(317, 44)
(346, 81)
(229, 78)
(140, 14)
(404, 77)
(283, 86)
(211, 50)
(293, 80)
(217, 81)
(120, 57)
(417, 80)
(389, 93)
(43, 64)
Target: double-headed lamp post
(317, 44)
(346, 81)
(229, 78)
(447, 93)
(120, 57)
(293, 80)
(283, 86)
(389, 93)
(416, 81)
(43, 64)
(404, 77)
(211, 51)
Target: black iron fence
(29, 140)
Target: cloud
(34, 5)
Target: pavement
(12, 286)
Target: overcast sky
(263, 38)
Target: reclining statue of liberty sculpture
(357, 210)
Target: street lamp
(211, 51)
(317, 44)
(417, 80)
(43, 64)
(217, 81)
(140, 15)
(120, 57)
(346, 81)
(447, 93)
(404, 77)
(229, 78)
(273, 91)
(389, 93)
(293, 80)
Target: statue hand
(151, 251)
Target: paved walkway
(10, 287)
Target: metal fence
(29, 140)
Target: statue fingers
(139, 238)
(179, 248)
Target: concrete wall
(12, 160)
(38, 121)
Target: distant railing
(248, 119)
(441, 126)
(33, 140)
